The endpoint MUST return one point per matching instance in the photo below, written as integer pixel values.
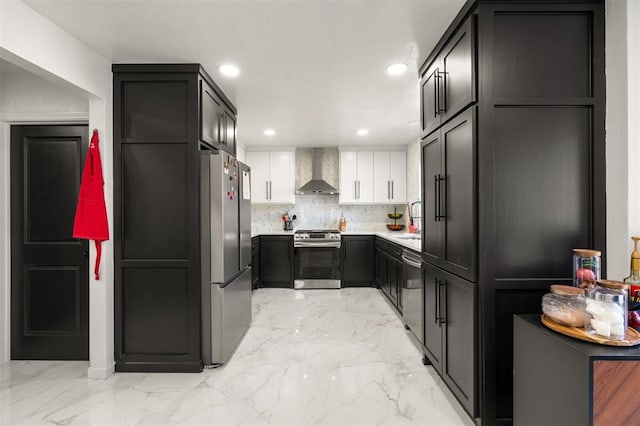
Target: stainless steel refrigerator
(225, 214)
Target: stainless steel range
(317, 259)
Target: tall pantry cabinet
(163, 116)
(513, 99)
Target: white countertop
(400, 238)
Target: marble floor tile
(311, 357)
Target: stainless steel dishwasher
(412, 293)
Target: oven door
(317, 267)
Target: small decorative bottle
(342, 225)
(634, 277)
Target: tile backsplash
(322, 212)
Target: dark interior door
(49, 268)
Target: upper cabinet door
(348, 184)
(390, 177)
(429, 99)
(457, 79)
(398, 176)
(365, 177)
(281, 177)
(448, 84)
(259, 163)
(210, 115)
(229, 140)
(381, 178)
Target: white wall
(28, 95)
(36, 44)
(241, 153)
(623, 132)
(413, 172)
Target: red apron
(91, 215)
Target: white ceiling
(313, 70)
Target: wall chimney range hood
(317, 185)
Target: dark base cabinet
(276, 261)
(255, 262)
(389, 272)
(559, 380)
(450, 332)
(157, 276)
(358, 261)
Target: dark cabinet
(276, 261)
(157, 285)
(448, 83)
(450, 332)
(448, 158)
(210, 115)
(380, 264)
(357, 260)
(229, 137)
(255, 263)
(217, 120)
(389, 271)
(564, 381)
(513, 160)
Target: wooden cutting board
(632, 337)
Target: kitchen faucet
(412, 218)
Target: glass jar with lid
(565, 305)
(586, 267)
(607, 310)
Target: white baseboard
(101, 372)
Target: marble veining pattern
(326, 357)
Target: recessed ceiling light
(269, 132)
(229, 70)
(396, 69)
(363, 132)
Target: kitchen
(98, 83)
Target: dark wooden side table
(558, 380)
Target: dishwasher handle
(411, 262)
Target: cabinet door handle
(442, 311)
(358, 189)
(443, 197)
(437, 301)
(388, 190)
(436, 198)
(270, 188)
(440, 91)
(355, 189)
(436, 90)
(266, 189)
(392, 194)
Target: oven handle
(332, 244)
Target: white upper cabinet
(390, 177)
(272, 176)
(356, 177)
